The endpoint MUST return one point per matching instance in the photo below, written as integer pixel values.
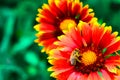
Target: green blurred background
(20, 57)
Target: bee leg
(78, 60)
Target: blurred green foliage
(20, 57)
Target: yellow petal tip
(36, 27)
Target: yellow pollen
(66, 23)
(88, 58)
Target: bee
(75, 57)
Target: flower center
(66, 23)
(88, 57)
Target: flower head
(86, 52)
(55, 17)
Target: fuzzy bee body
(73, 61)
(75, 57)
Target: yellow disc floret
(65, 23)
(88, 57)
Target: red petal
(76, 8)
(117, 77)
(94, 76)
(67, 41)
(46, 36)
(63, 7)
(61, 64)
(84, 77)
(56, 10)
(111, 49)
(78, 75)
(65, 75)
(48, 14)
(70, 8)
(58, 72)
(97, 34)
(73, 76)
(88, 18)
(106, 75)
(113, 60)
(84, 12)
(48, 42)
(111, 67)
(75, 35)
(65, 54)
(87, 33)
(47, 20)
(50, 47)
(47, 27)
(106, 39)
(55, 53)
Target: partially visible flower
(86, 52)
(54, 17)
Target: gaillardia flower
(55, 17)
(86, 52)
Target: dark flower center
(89, 60)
